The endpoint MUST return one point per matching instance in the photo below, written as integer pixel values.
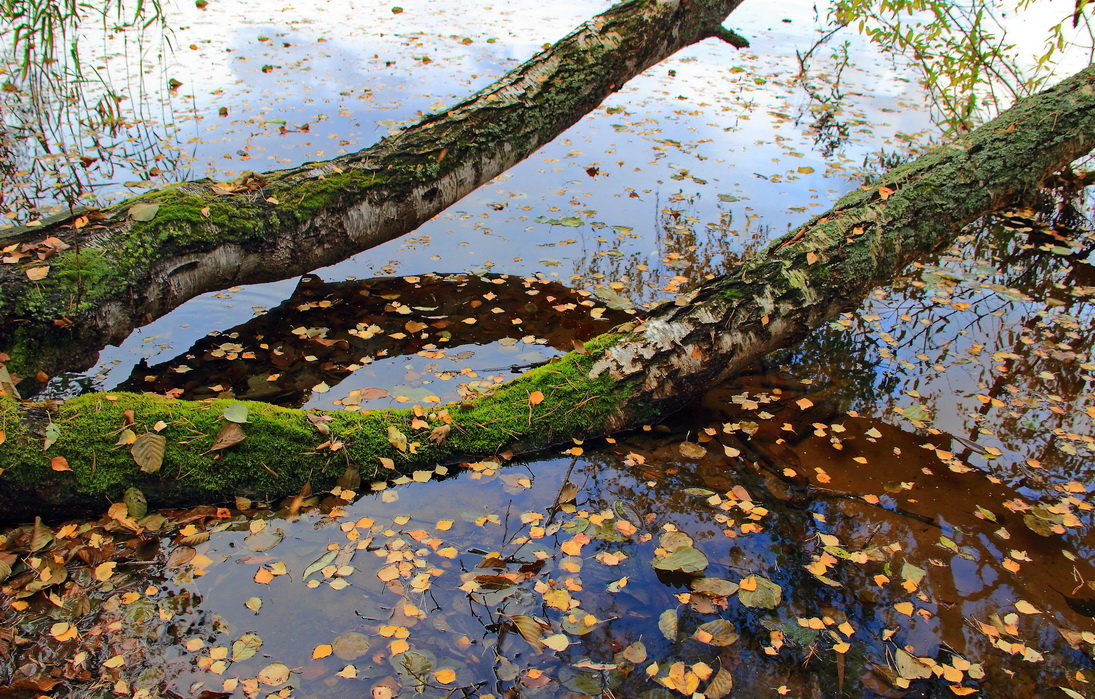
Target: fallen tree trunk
(622, 379)
(137, 261)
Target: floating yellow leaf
(445, 676)
(63, 631)
(1024, 607)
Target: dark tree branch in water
(145, 257)
(632, 375)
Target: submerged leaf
(274, 674)
(351, 645)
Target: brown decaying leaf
(59, 463)
(37, 273)
(229, 435)
(530, 629)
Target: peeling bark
(624, 378)
(281, 224)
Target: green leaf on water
(135, 503)
(684, 559)
(246, 646)
(667, 624)
(719, 632)
(767, 595)
(714, 587)
(720, 686)
(320, 563)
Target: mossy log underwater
(627, 377)
(138, 260)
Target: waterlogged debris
(264, 539)
(692, 450)
(148, 451)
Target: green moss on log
(283, 449)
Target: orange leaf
(535, 398)
(445, 676)
(59, 463)
(321, 651)
(37, 273)
(885, 192)
(263, 576)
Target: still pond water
(896, 507)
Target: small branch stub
(731, 37)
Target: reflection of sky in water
(696, 160)
(700, 160)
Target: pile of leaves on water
(82, 602)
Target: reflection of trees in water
(687, 248)
(1000, 325)
(65, 120)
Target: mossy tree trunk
(119, 272)
(622, 379)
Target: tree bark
(622, 379)
(119, 272)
